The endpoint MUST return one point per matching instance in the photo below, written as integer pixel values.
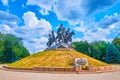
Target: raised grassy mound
(54, 58)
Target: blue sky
(92, 20)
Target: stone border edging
(92, 70)
(98, 69)
(7, 68)
(54, 69)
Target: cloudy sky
(32, 20)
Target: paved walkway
(11, 75)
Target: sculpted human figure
(63, 36)
(53, 36)
(51, 39)
(67, 35)
(60, 34)
(49, 43)
(69, 39)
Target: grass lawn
(53, 58)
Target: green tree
(118, 48)
(99, 49)
(112, 54)
(95, 49)
(81, 46)
(11, 48)
(116, 41)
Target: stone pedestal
(60, 46)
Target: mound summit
(54, 58)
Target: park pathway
(12, 75)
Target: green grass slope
(54, 58)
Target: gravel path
(11, 75)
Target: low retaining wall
(54, 69)
(98, 69)
(109, 68)
(7, 67)
(77, 69)
(43, 69)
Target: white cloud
(109, 20)
(6, 17)
(81, 28)
(42, 3)
(74, 11)
(33, 33)
(5, 28)
(45, 5)
(5, 2)
(115, 29)
(44, 12)
(32, 23)
(106, 29)
(69, 10)
(77, 39)
(100, 34)
(35, 30)
(96, 34)
(37, 45)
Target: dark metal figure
(51, 39)
(60, 34)
(69, 39)
(67, 35)
(63, 36)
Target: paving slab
(12, 75)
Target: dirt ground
(12, 75)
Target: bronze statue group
(63, 36)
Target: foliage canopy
(11, 48)
(101, 50)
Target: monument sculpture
(62, 40)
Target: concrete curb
(60, 72)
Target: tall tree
(95, 49)
(81, 46)
(116, 41)
(112, 54)
(118, 48)
(11, 48)
(99, 49)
